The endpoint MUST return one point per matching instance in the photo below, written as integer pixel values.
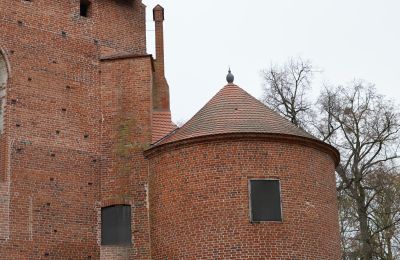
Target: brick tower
(238, 181)
(76, 93)
(91, 166)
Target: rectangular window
(84, 8)
(265, 200)
(116, 225)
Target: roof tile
(233, 110)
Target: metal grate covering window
(116, 225)
(265, 200)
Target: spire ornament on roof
(230, 78)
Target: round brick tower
(239, 181)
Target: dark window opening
(85, 5)
(116, 225)
(265, 200)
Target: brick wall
(199, 201)
(78, 118)
(117, 24)
(126, 113)
(3, 150)
(4, 192)
(54, 135)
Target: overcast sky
(346, 39)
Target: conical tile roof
(233, 110)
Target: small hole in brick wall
(96, 42)
(46, 254)
(48, 204)
(13, 101)
(29, 79)
(64, 34)
(64, 109)
(17, 125)
(54, 62)
(12, 52)
(19, 150)
(86, 136)
(57, 132)
(53, 155)
(55, 230)
(94, 160)
(20, 23)
(51, 179)
(90, 184)
(68, 87)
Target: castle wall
(79, 116)
(116, 24)
(50, 188)
(126, 114)
(199, 201)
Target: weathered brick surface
(83, 103)
(3, 161)
(199, 201)
(55, 172)
(126, 101)
(161, 89)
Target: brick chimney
(161, 88)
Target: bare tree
(348, 226)
(365, 128)
(286, 89)
(384, 213)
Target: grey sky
(347, 39)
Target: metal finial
(230, 78)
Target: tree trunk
(366, 246)
(389, 246)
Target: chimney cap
(158, 7)
(158, 13)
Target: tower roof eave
(233, 111)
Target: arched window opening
(3, 83)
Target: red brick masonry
(199, 198)
(88, 125)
